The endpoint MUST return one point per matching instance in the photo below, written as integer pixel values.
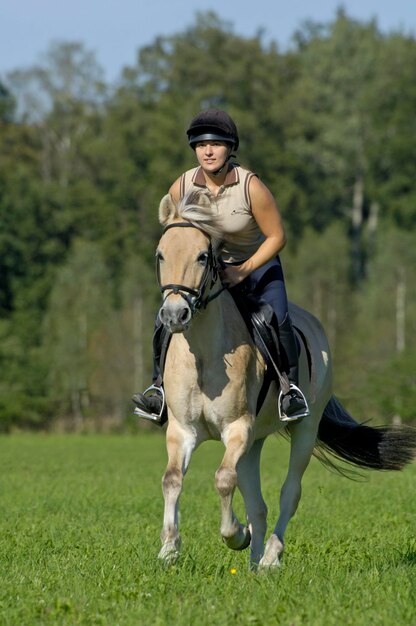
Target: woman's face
(211, 154)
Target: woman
(253, 235)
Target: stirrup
(152, 417)
(296, 416)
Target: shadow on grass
(408, 555)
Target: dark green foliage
(7, 104)
(329, 125)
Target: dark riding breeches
(267, 283)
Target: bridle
(194, 297)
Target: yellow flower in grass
(233, 570)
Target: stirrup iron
(296, 416)
(152, 417)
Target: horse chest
(208, 386)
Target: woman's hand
(232, 275)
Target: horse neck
(217, 328)
(208, 326)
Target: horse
(213, 375)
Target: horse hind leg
(303, 436)
(180, 447)
(248, 472)
(235, 535)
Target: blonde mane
(196, 208)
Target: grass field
(79, 534)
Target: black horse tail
(377, 448)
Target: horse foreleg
(180, 445)
(237, 440)
(248, 477)
(303, 438)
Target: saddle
(263, 327)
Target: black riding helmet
(215, 125)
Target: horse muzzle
(175, 315)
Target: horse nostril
(184, 315)
(163, 316)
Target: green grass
(79, 534)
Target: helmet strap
(221, 169)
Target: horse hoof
(247, 540)
(169, 554)
(272, 554)
(240, 541)
(169, 559)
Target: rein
(194, 297)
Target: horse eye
(159, 256)
(203, 258)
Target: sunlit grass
(79, 534)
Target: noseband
(194, 297)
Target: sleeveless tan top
(241, 234)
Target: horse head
(186, 258)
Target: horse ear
(167, 209)
(196, 199)
(203, 200)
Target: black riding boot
(151, 403)
(292, 405)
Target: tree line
(329, 126)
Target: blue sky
(116, 29)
